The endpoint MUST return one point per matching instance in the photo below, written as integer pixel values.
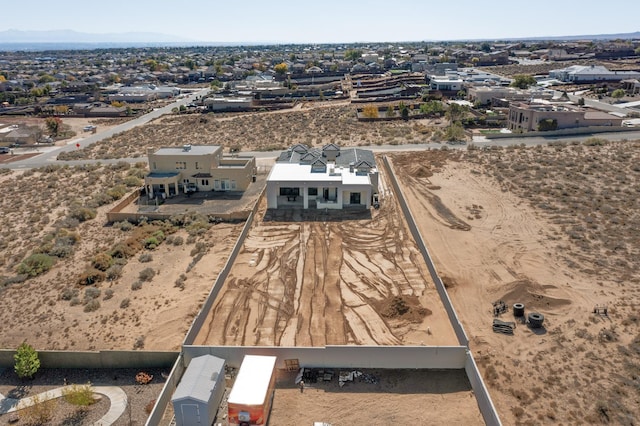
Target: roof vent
(186, 147)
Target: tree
(456, 112)
(485, 47)
(54, 125)
(281, 68)
(26, 360)
(523, 81)
(352, 54)
(617, 94)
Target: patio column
(166, 189)
(305, 198)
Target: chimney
(351, 167)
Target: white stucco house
(322, 178)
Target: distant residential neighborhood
(394, 81)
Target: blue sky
(328, 21)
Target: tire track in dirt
(312, 278)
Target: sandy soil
(154, 316)
(378, 397)
(304, 278)
(580, 367)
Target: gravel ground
(66, 414)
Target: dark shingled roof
(344, 158)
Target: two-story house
(327, 178)
(193, 168)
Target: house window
(181, 165)
(313, 192)
(233, 184)
(198, 166)
(216, 184)
(205, 182)
(289, 192)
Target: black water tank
(518, 309)
(536, 320)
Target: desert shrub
(139, 343)
(17, 279)
(60, 251)
(36, 264)
(92, 305)
(151, 243)
(147, 274)
(82, 214)
(114, 272)
(145, 257)
(136, 285)
(69, 293)
(67, 222)
(191, 239)
(40, 413)
(102, 261)
(117, 192)
(178, 241)
(108, 294)
(132, 181)
(180, 281)
(81, 395)
(91, 276)
(99, 199)
(124, 225)
(125, 303)
(120, 166)
(123, 251)
(92, 293)
(75, 301)
(200, 247)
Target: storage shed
(199, 392)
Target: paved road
(49, 154)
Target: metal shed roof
(201, 378)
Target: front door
(354, 198)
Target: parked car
(4, 150)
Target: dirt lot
(554, 228)
(309, 278)
(378, 397)
(147, 295)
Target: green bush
(27, 362)
(36, 264)
(117, 192)
(151, 243)
(81, 395)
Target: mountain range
(35, 40)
